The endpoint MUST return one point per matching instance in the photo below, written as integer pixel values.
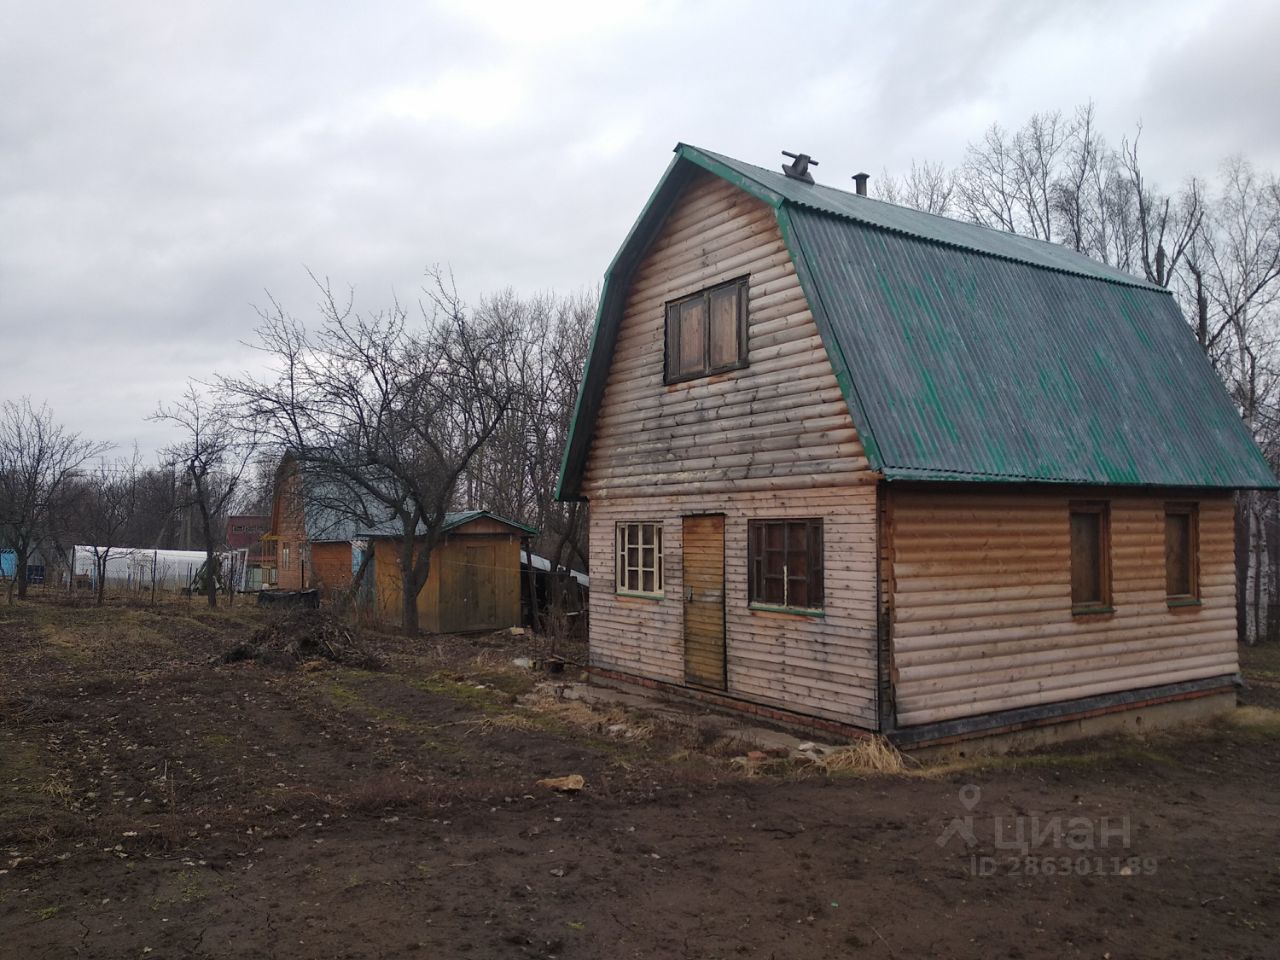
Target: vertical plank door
(704, 653)
(469, 588)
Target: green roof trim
(967, 354)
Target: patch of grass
(485, 700)
(502, 722)
(1251, 722)
(192, 890)
(46, 913)
(1069, 757)
(871, 755)
(59, 788)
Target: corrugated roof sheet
(969, 367)
(969, 354)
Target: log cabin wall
(771, 440)
(981, 601)
(823, 666)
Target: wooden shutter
(693, 336)
(723, 349)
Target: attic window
(707, 332)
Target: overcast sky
(162, 165)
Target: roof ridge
(1087, 268)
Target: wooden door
(704, 652)
(469, 587)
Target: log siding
(771, 440)
(981, 602)
(821, 666)
(780, 422)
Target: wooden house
(323, 536)
(870, 469)
(311, 532)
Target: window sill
(1091, 611)
(639, 596)
(1175, 602)
(703, 374)
(795, 611)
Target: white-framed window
(639, 558)
(284, 558)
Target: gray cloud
(158, 171)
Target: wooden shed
(474, 580)
(869, 469)
(322, 536)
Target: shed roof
(335, 509)
(452, 521)
(969, 354)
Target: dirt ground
(155, 802)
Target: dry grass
(500, 723)
(870, 755)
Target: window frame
(1190, 510)
(621, 568)
(1101, 509)
(815, 575)
(669, 375)
(284, 557)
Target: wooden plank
(702, 539)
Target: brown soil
(156, 803)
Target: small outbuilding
(474, 582)
(874, 470)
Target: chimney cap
(799, 168)
(860, 179)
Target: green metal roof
(969, 354)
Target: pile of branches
(301, 636)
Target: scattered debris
(304, 636)
(570, 784)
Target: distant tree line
(393, 415)
(1213, 241)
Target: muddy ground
(157, 803)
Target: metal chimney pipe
(861, 180)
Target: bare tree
(926, 186)
(103, 504)
(1007, 182)
(38, 457)
(211, 456)
(517, 472)
(391, 411)
(1168, 226)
